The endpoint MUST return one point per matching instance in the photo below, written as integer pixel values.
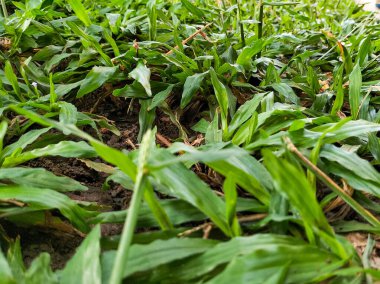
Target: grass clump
(257, 148)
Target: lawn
(189, 141)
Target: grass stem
(332, 185)
(4, 8)
(131, 219)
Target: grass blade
(334, 187)
(130, 223)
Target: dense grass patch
(243, 133)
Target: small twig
(193, 230)
(339, 201)
(163, 140)
(130, 143)
(63, 227)
(251, 218)
(206, 227)
(189, 38)
(332, 184)
(13, 202)
(101, 99)
(207, 231)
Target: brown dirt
(61, 246)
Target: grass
(272, 158)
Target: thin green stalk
(4, 8)
(131, 219)
(332, 185)
(240, 24)
(261, 18)
(260, 23)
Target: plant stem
(4, 8)
(131, 219)
(331, 184)
(240, 23)
(260, 24)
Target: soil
(62, 245)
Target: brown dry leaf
(5, 43)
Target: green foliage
(279, 100)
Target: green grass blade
(355, 96)
(130, 222)
(80, 11)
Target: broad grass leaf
(221, 95)
(213, 133)
(25, 140)
(160, 97)
(95, 78)
(355, 97)
(89, 40)
(286, 93)
(339, 97)
(248, 173)
(184, 184)
(354, 226)
(290, 181)
(192, 8)
(207, 264)
(300, 263)
(231, 161)
(230, 194)
(64, 89)
(374, 145)
(146, 257)
(3, 132)
(40, 178)
(307, 138)
(142, 74)
(55, 60)
(84, 267)
(152, 16)
(68, 113)
(245, 57)
(12, 78)
(245, 112)
(358, 172)
(117, 158)
(364, 50)
(354, 180)
(108, 36)
(66, 149)
(134, 90)
(178, 211)
(358, 128)
(191, 86)
(46, 199)
(47, 52)
(80, 11)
